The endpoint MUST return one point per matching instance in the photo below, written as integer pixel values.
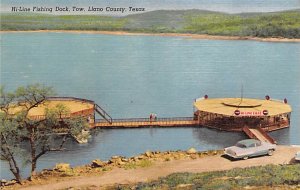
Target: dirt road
(282, 155)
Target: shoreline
(146, 167)
(185, 35)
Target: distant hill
(275, 24)
(163, 19)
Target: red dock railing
(144, 122)
(258, 133)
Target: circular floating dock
(246, 106)
(75, 106)
(233, 114)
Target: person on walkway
(155, 117)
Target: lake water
(132, 76)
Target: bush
(266, 176)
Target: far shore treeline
(284, 24)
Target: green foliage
(270, 175)
(279, 24)
(18, 130)
(282, 24)
(9, 138)
(60, 22)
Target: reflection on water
(217, 138)
(281, 136)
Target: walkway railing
(261, 134)
(147, 119)
(146, 122)
(106, 117)
(248, 132)
(96, 108)
(266, 135)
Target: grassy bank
(16, 22)
(279, 24)
(265, 177)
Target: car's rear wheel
(270, 152)
(245, 158)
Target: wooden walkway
(145, 122)
(258, 133)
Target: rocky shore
(153, 165)
(123, 162)
(98, 167)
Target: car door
(260, 149)
(251, 150)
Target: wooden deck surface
(75, 106)
(133, 124)
(258, 135)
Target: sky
(229, 6)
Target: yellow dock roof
(245, 106)
(74, 105)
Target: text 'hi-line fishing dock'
(255, 117)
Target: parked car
(297, 156)
(250, 148)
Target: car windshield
(240, 145)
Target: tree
(10, 140)
(18, 129)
